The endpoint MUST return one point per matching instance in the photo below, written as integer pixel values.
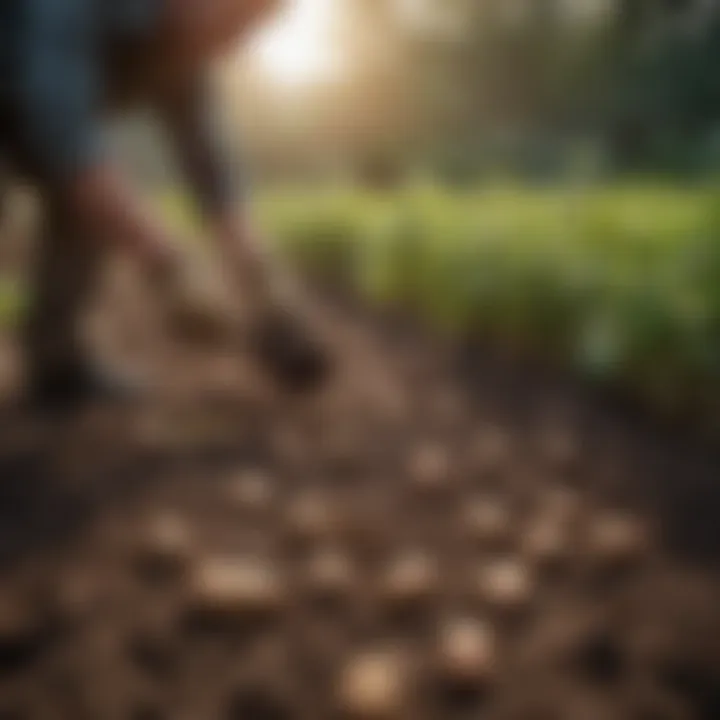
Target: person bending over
(65, 66)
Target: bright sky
(297, 48)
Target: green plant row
(622, 282)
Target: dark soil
(105, 520)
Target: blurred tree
(485, 83)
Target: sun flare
(297, 47)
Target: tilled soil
(421, 540)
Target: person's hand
(281, 330)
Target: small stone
(228, 587)
(410, 579)
(467, 651)
(374, 686)
(506, 584)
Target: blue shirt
(52, 80)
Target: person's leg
(67, 274)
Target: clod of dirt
(313, 517)
(617, 541)
(506, 584)
(251, 490)
(236, 588)
(374, 686)
(467, 652)
(487, 521)
(165, 546)
(409, 580)
(429, 466)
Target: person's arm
(216, 183)
(59, 81)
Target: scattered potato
(314, 517)
(467, 651)
(545, 543)
(374, 685)
(236, 587)
(409, 579)
(617, 540)
(487, 521)
(506, 584)
(330, 573)
(165, 543)
(251, 490)
(429, 466)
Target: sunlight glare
(297, 48)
